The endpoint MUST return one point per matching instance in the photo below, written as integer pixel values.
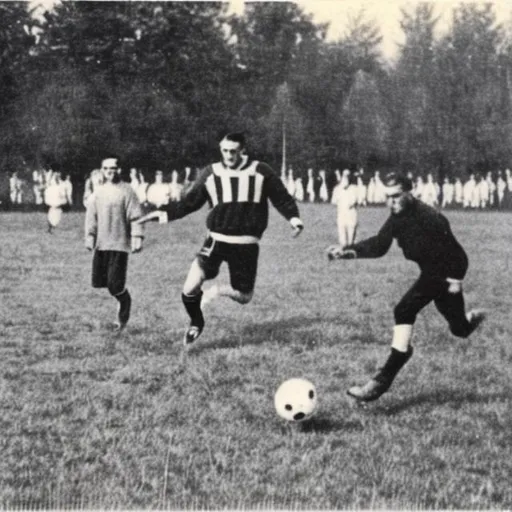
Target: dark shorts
(427, 289)
(242, 260)
(109, 269)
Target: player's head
(110, 169)
(398, 192)
(232, 148)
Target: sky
(385, 12)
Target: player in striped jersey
(237, 190)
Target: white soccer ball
(295, 400)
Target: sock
(402, 335)
(125, 303)
(393, 365)
(192, 304)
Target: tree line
(158, 82)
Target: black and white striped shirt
(238, 199)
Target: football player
(111, 232)
(426, 238)
(238, 190)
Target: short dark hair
(393, 178)
(235, 137)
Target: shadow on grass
(305, 332)
(442, 396)
(319, 424)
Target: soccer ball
(295, 400)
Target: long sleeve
(91, 218)
(375, 246)
(193, 199)
(279, 196)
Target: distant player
(55, 198)
(425, 237)
(237, 190)
(158, 194)
(344, 196)
(111, 232)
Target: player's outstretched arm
(153, 216)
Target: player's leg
(205, 266)
(451, 305)
(99, 276)
(342, 232)
(99, 269)
(351, 233)
(116, 283)
(419, 295)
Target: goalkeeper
(425, 237)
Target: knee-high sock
(192, 305)
(393, 365)
(125, 302)
(402, 336)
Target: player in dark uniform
(425, 237)
(237, 190)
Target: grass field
(91, 420)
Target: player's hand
(336, 252)
(348, 254)
(136, 244)
(297, 226)
(90, 242)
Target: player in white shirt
(142, 189)
(67, 190)
(323, 192)
(345, 197)
(475, 196)
(468, 192)
(310, 187)
(458, 189)
(492, 189)
(370, 193)
(38, 186)
(429, 192)
(134, 179)
(290, 183)
(15, 185)
(55, 199)
(380, 190)
(159, 195)
(448, 193)
(94, 180)
(299, 190)
(361, 191)
(175, 188)
(501, 185)
(484, 193)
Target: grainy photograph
(255, 255)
